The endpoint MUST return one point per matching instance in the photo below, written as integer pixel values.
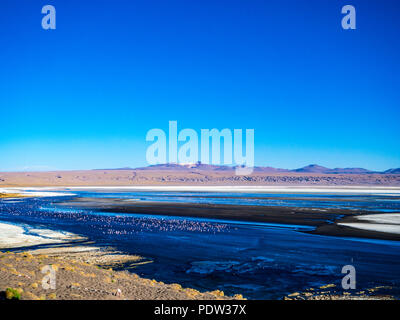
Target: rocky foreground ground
(21, 278)
(332, 292)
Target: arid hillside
(191, 176)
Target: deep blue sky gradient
(84, 95)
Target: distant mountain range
(312, 168)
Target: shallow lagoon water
(259, 260)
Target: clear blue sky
(84, 95)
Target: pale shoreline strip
(24, 192)
(385, 222)
(18, 235)
(246, 189)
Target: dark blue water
(261, 261)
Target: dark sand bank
(285, 215)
